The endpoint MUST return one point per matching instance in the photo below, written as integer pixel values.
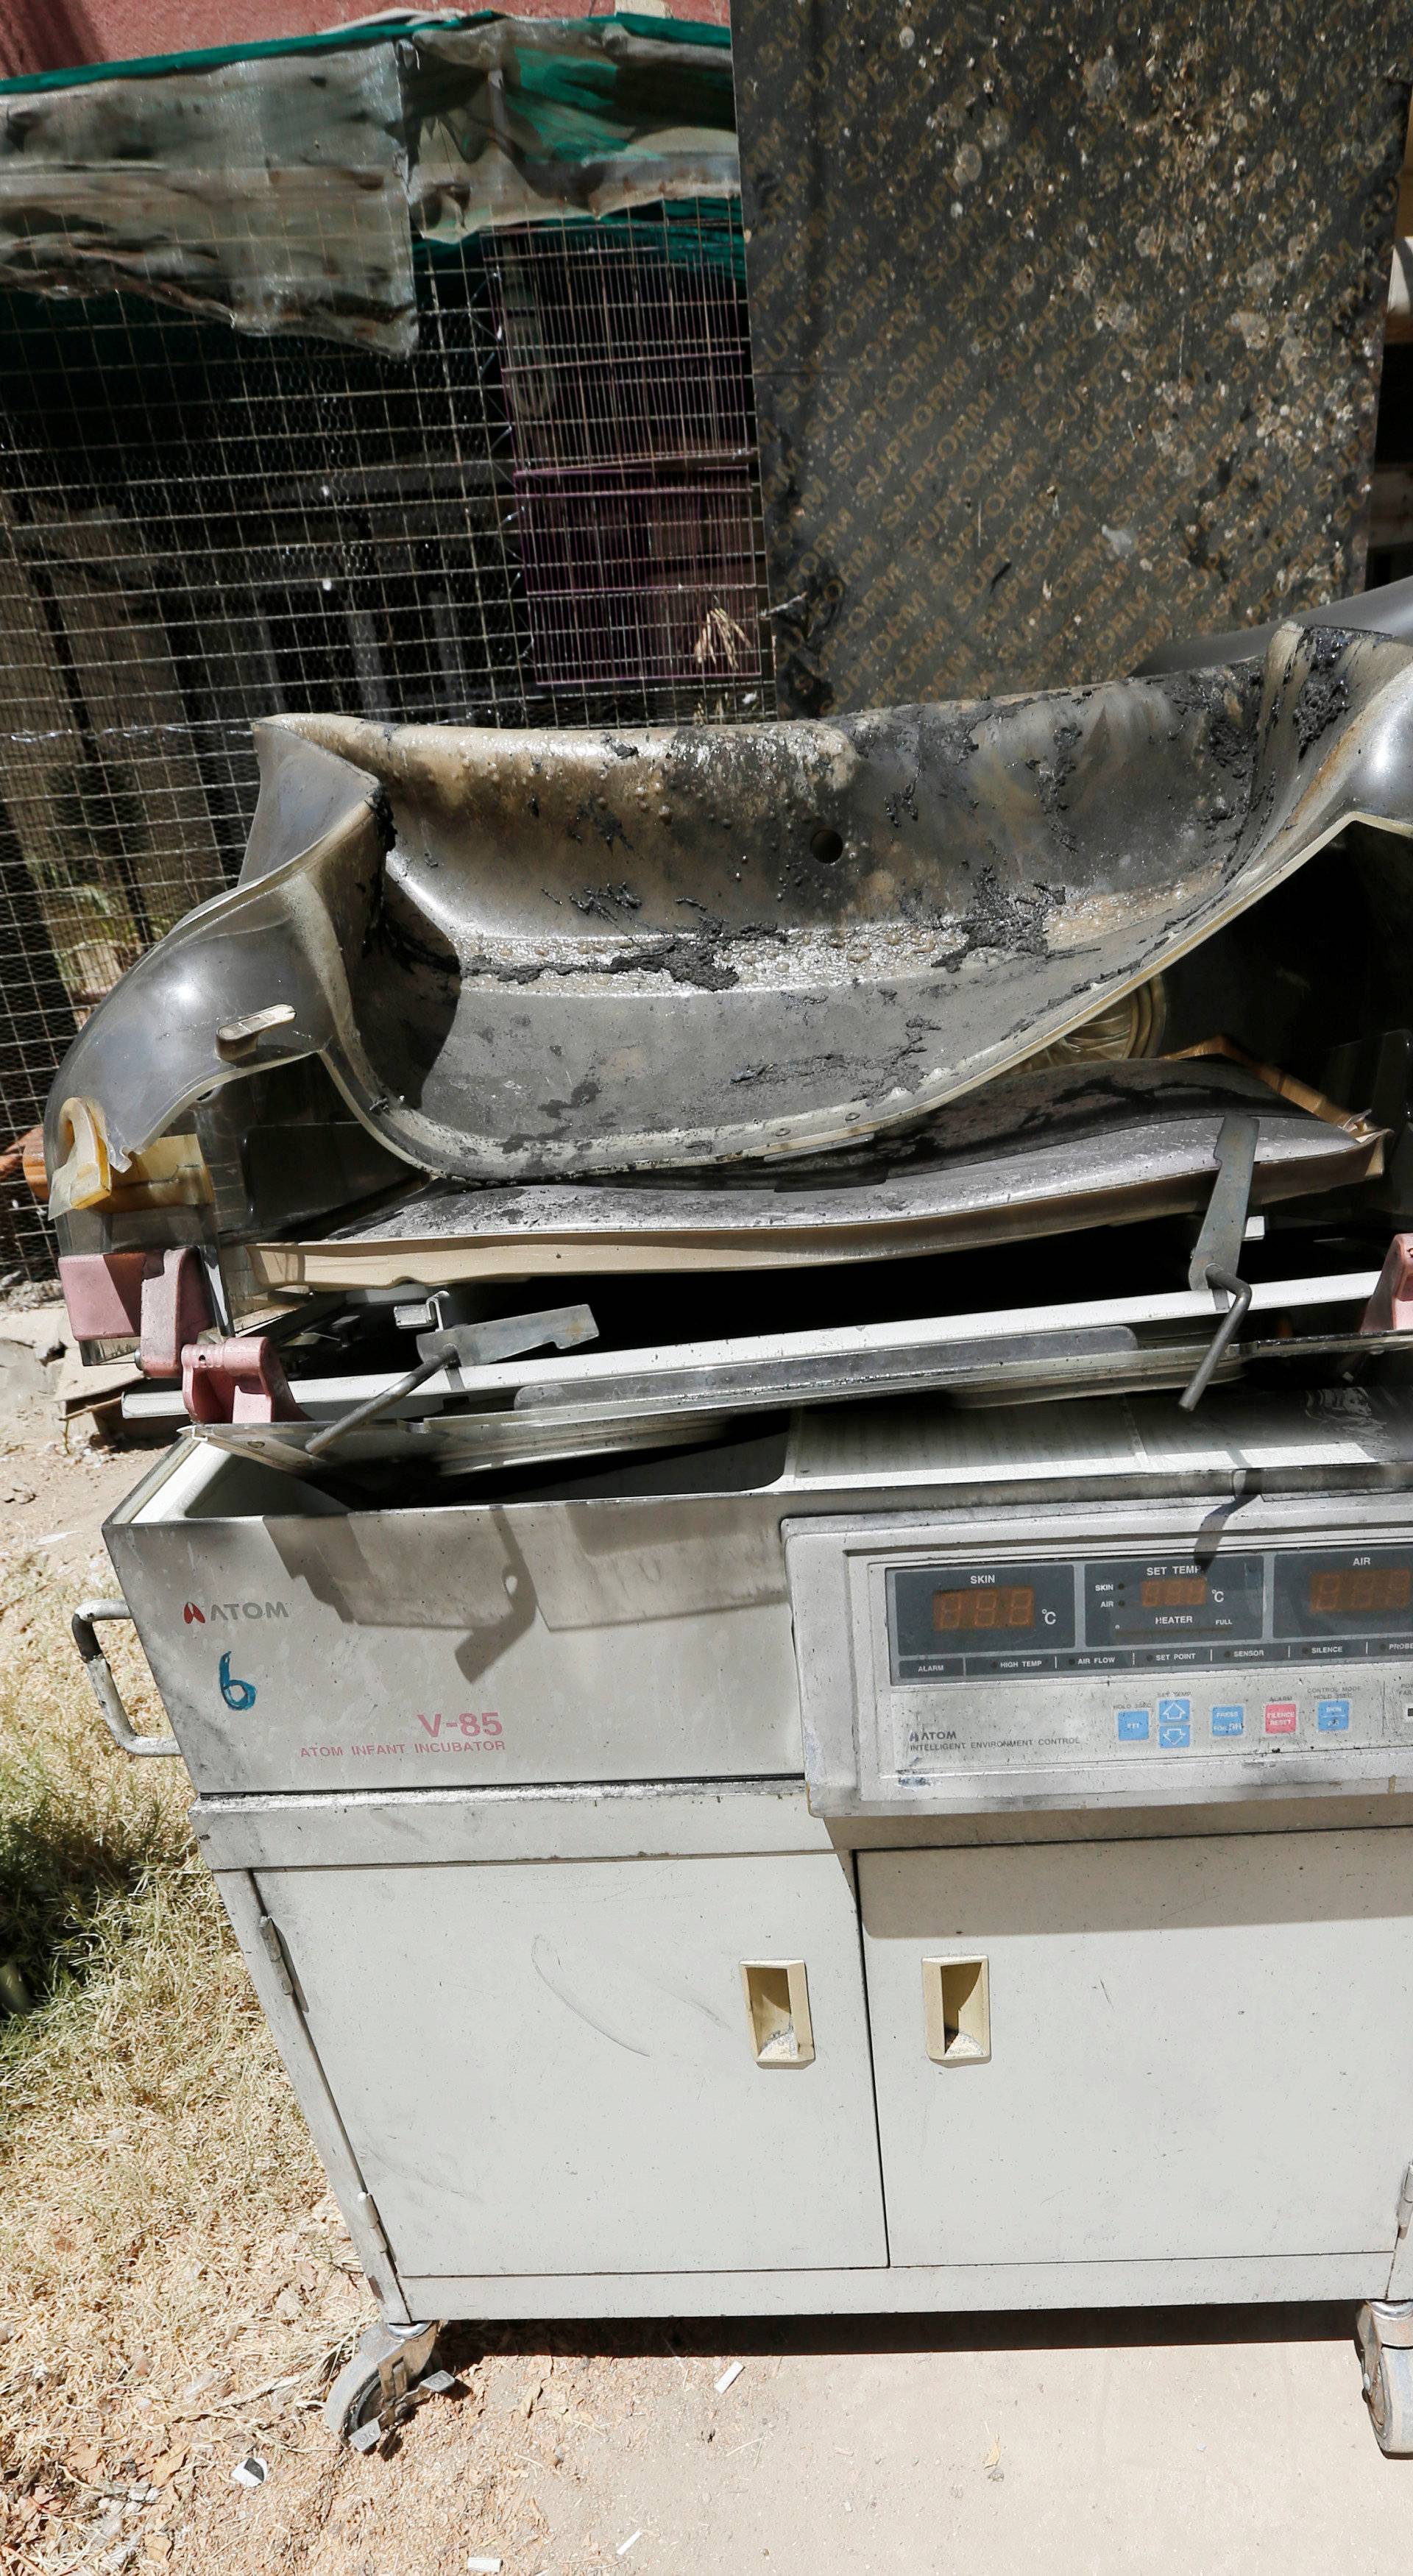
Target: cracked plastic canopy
(548, 955)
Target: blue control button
(1332, 1716)
(1133, 1726)
(1174, 1722)
(1229, 1721)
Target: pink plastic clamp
(160, 1299)
(1390, 1309)
(241, 1380)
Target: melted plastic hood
(548, 955)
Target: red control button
(1280, 1717)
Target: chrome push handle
(105, 1689)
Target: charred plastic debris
(1055, 1044)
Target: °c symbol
(236, 1694)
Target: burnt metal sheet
(682, 1397)
(667, 1407)
(1040, 1153)
(544, 956)
(1067, 323)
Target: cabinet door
(1196, 2048)
(552, 2068)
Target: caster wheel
(355, 2403)
(1390, 2396)
(1388, 2375)
(382, 2382)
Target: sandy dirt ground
(1196, 2441)
(1090, 2445)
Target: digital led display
(1011, 1621)
(1336, 1589)
(947, 1621)
(1171, 1602)
(1174, 1591)
(1002, 1605)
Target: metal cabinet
(1198, 2048)
(552, 2067)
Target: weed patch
(163, 2218)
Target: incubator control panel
(972, 1677)
(1121, 1614)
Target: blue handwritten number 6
(236, 1694)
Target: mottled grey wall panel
(1067, 324)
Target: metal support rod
(1240, 1294)
(105, 1689)
(465, 1346)
(376, 1404)
(1218, 1246)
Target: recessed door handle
(778, 2003)
(956, 2005)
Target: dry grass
(167, 2244)
(175, 2281)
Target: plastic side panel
(551, 2069)
(1198, 2049)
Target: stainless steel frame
(505, 1796)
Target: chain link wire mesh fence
(547, 514)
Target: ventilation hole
(826, 844)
